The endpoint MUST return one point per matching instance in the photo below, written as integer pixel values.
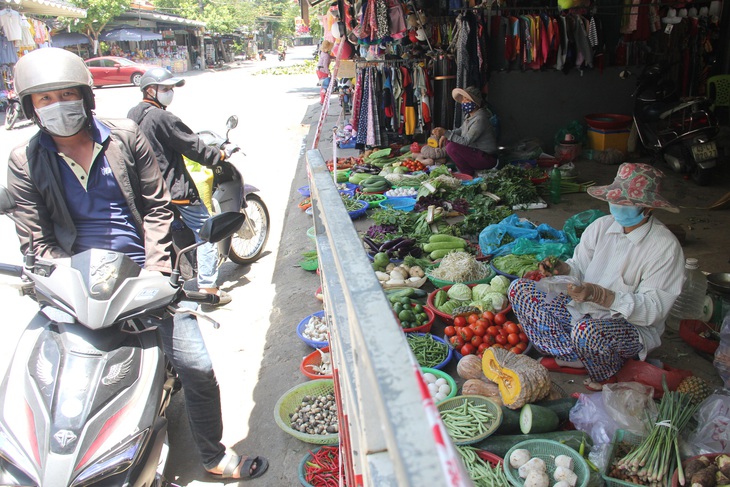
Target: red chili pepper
(323, 468)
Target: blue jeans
(184, 346)
(194, 216)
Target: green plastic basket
(492, 407)
(292, 398)
(547, 450)
(441, 374)
(311, 233)
(375, 203)
(622, 436)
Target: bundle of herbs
(652, 461)
(512, 184)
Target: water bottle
(555, 177)
(691, 302)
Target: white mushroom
(537, 479)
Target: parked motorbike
(13, 111)
(680, 131)
(345, 94)
(83, 400)
(231, 193)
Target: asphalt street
(276, 114)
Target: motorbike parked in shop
(231, 193)
(13, 111)
(681, 132)
(83, 400)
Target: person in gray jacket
(83, 183)
(473, 146)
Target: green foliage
(98, 15)
(307, 67)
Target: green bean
(427, 350)
(467, 420)
(481, 471)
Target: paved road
(256, 339)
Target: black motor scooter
(681, 131)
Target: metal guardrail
(389, 434)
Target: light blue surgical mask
(627, 216)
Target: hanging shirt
(10, 21)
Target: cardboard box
(609, 139)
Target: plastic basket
(305, 204)
(497, 271)
(621, 436)
(354, 214)
(311, 233)
(547, 450)
(304, 191)
(375, 202)
(447, 317)
(292, 398)
(314, 358)
(492, 407)
(302, 463)
(402, 204)
(423, 328)
(300, 329)
(449, 351)
(689, 331)
(443, 375)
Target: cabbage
(478, 291)
(498, 301)
(482, 305)
(460, 291)
(500, 284)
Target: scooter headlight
(14, 464)
(115, 462)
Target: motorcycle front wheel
(11, 116)
(248, 244)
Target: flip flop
(550, 364)
(251, 468)
(594, 386)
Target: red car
(112, 70)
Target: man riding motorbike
(171, 139)
(83, 183)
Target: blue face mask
(627, 216)
(468, 107)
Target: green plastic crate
(623, 436)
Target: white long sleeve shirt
(645, 268)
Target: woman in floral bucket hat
(625, 274)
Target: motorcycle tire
(246, 248)
(11, 116)
(702, 177)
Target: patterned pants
(603, 345)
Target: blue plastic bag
(499, 238)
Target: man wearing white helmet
(171, 139)
(83, 183)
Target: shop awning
(64, 39)
(130, 34)
(159, 17)
(50, 8)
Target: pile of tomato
(474, 333)
(413, 165)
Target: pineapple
(696, 387)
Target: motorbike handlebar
(11, 270)
(205, 298)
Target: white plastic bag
(712, 432)
(631, 405)
(554, 285)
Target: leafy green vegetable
(479, 291)
(516, 265)
(500, 284)
(460, 291)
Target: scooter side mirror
(7, 202)
(232, 122)
(221, 226)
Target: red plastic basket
(690, 331)
(313, 358)
(423, 328)
(446, 317)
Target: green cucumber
(440, 254)
(440, 298)
(399, 293)
(501, 444)
(511, 418)
(537, 419)
(445, 238)
(430, 247)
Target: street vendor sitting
(627, 271)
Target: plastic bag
(203, 179)
(712, 432)
(631, 405)
(575, 225)
(508, 230)
(554, 285)
(574, 128)
(590, 415)
(722, 354)
(523, 246)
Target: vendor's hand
(438, 132)
(588, 292)
(552, 266)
